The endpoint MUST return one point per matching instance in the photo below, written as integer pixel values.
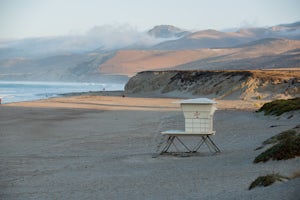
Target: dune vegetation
(278, 107)
(267, 180)
(286, 145)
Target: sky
(40, 18)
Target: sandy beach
(101, 147)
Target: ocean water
(17, 91)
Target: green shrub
(281, 136)
(267, 180)
(278, 107)
(285, 149)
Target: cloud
(249, 24)
(106, 37)
(109, 37)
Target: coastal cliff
(228, 84)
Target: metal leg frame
(170, 142)
(204, 139)
(209, 143)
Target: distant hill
(265, 53)
(261, 54)
(218, 39)
(65, 67)
(129, 62)
(290, 25)
(167, 31)
(203, 39)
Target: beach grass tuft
(281, 136)
(267, 180)
(278, 107)
(286, 146)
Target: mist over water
(17, 91)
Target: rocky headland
(228, 84)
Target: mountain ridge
(167, 31)
(262, 54)
(79, 58)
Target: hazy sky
(31, 18)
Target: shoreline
(239, 104)
(20, 91)
(100, 98)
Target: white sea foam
(17, 91)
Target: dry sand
(101, 147)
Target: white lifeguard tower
(198, 116)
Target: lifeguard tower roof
(198, 101)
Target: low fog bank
(98, 38)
